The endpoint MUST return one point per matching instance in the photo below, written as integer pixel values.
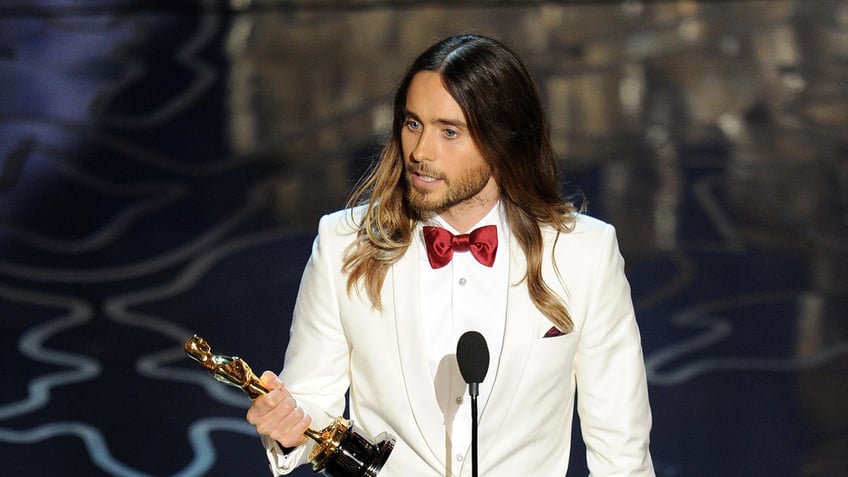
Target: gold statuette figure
(340, 450)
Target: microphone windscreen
(472, 354)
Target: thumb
(271, 380)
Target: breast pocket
(550, 368)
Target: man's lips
(422, 177)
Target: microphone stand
(473, 391)
(472, 356)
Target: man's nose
(424, 150)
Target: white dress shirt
(462, 296)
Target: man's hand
(276, 414)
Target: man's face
(445, 170)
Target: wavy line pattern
(162, 169)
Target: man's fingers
(290, 432)
(298, 432)
(270, 405)
(277, 416)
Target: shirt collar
(496, 216)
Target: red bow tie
(441, 244)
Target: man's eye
(413, 124)
(450, 133)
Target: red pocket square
(554, 331)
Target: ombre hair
(507, 122)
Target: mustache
(423, 170)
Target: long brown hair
(507, 122)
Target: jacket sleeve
(316, 366)
(612, 394)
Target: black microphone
(472, 355)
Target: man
(379, 317)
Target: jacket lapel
(405, 309)
(517, 342)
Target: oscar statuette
(340, 450)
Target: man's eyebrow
(438, 121)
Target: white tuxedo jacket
(339, 343)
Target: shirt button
(459, 400)
(459, 457)
(462, 282)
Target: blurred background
(163, 165)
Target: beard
(458, 190)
